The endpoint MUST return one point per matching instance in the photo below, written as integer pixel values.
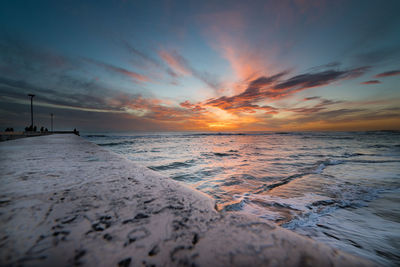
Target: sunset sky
(201, 65)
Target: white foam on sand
(66, 201)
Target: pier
(4, 136)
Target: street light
(31, 96)
(51, 121)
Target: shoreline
(65, 200)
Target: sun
(220, 125)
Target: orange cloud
(186, 116)
(176, 62)
(191, 106)
(226, 32)
(133, 75)
(243, 63)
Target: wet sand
(66, 201)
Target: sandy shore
(66, 201)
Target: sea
(339, 188)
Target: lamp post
(31, 96)
(52, 121)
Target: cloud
(65, 85)
(309, 80)
(193, 107)
(21, 59)
(112, 68)
(380, 55)
(312, 98)
(137, 53)
(181, 66)
(331, 115)
(227, 32)
(273, 87)
(333, 119)
(256, 46)
(371, 82)
(244, 102)
(82, 99)
(322, 105)
(245, 62)
(235, 105)
(151, 113)
(388, 73)
(176, 62)
(148, 59)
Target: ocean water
(340, 188)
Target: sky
(121, 65)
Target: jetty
(65, 201)
(5, 136)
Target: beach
(67, 201)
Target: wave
(372, 161)
(184, 177)
(345, 198)
(350, 155)
(232, 182)
(323, 164)
(219, 154)
(316, 169)
(216, 134)
(274, 204)
(96, 135)
(173, 165)
(230, 153)
(117, 143)
(236, 206)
